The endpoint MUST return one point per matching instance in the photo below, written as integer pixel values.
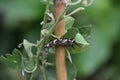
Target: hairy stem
(46, 11)
(41, 43)
(43, 38)
(60, 17)
(44, 69)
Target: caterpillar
(60, 42)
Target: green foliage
(71, 33)
(12, 60)
(28, 46)
(102, 15)
(37, 63)
(50, 69)
(102, 55)
(69, 21)
(29, 62)
(79, 39)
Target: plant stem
(43, 38)
(41, 43)
(46, 11)
(42, 59)
(60, 59)
(44, 71)
(61, 16)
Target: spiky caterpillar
(60, 42)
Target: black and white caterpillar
(61, 42)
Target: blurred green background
(20, 19)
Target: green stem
(43, 38)
(42, 58)
(57, 21)
(46, 11)
(41, 42)
(44, 70)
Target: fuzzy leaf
(69, 21)
(12, 60)
(71, 71)
(29, 65)
(71, 33)
(78, 49)
(17, 57)
(8, 62)
(80, 39)
(28, 46)
(69, 56)
(86, 31)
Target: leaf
(81, 47)
(48, 25)
(78, 49)
(44, 32)
(71, 33)
(69, 56)
(69, 21)
(71, 71)
(9, 57)
(16, 55)
(28, 46)
(86, 31)
(29, 65)
(50, 50)
(8, 62)
(12, 60)
(80, 39)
